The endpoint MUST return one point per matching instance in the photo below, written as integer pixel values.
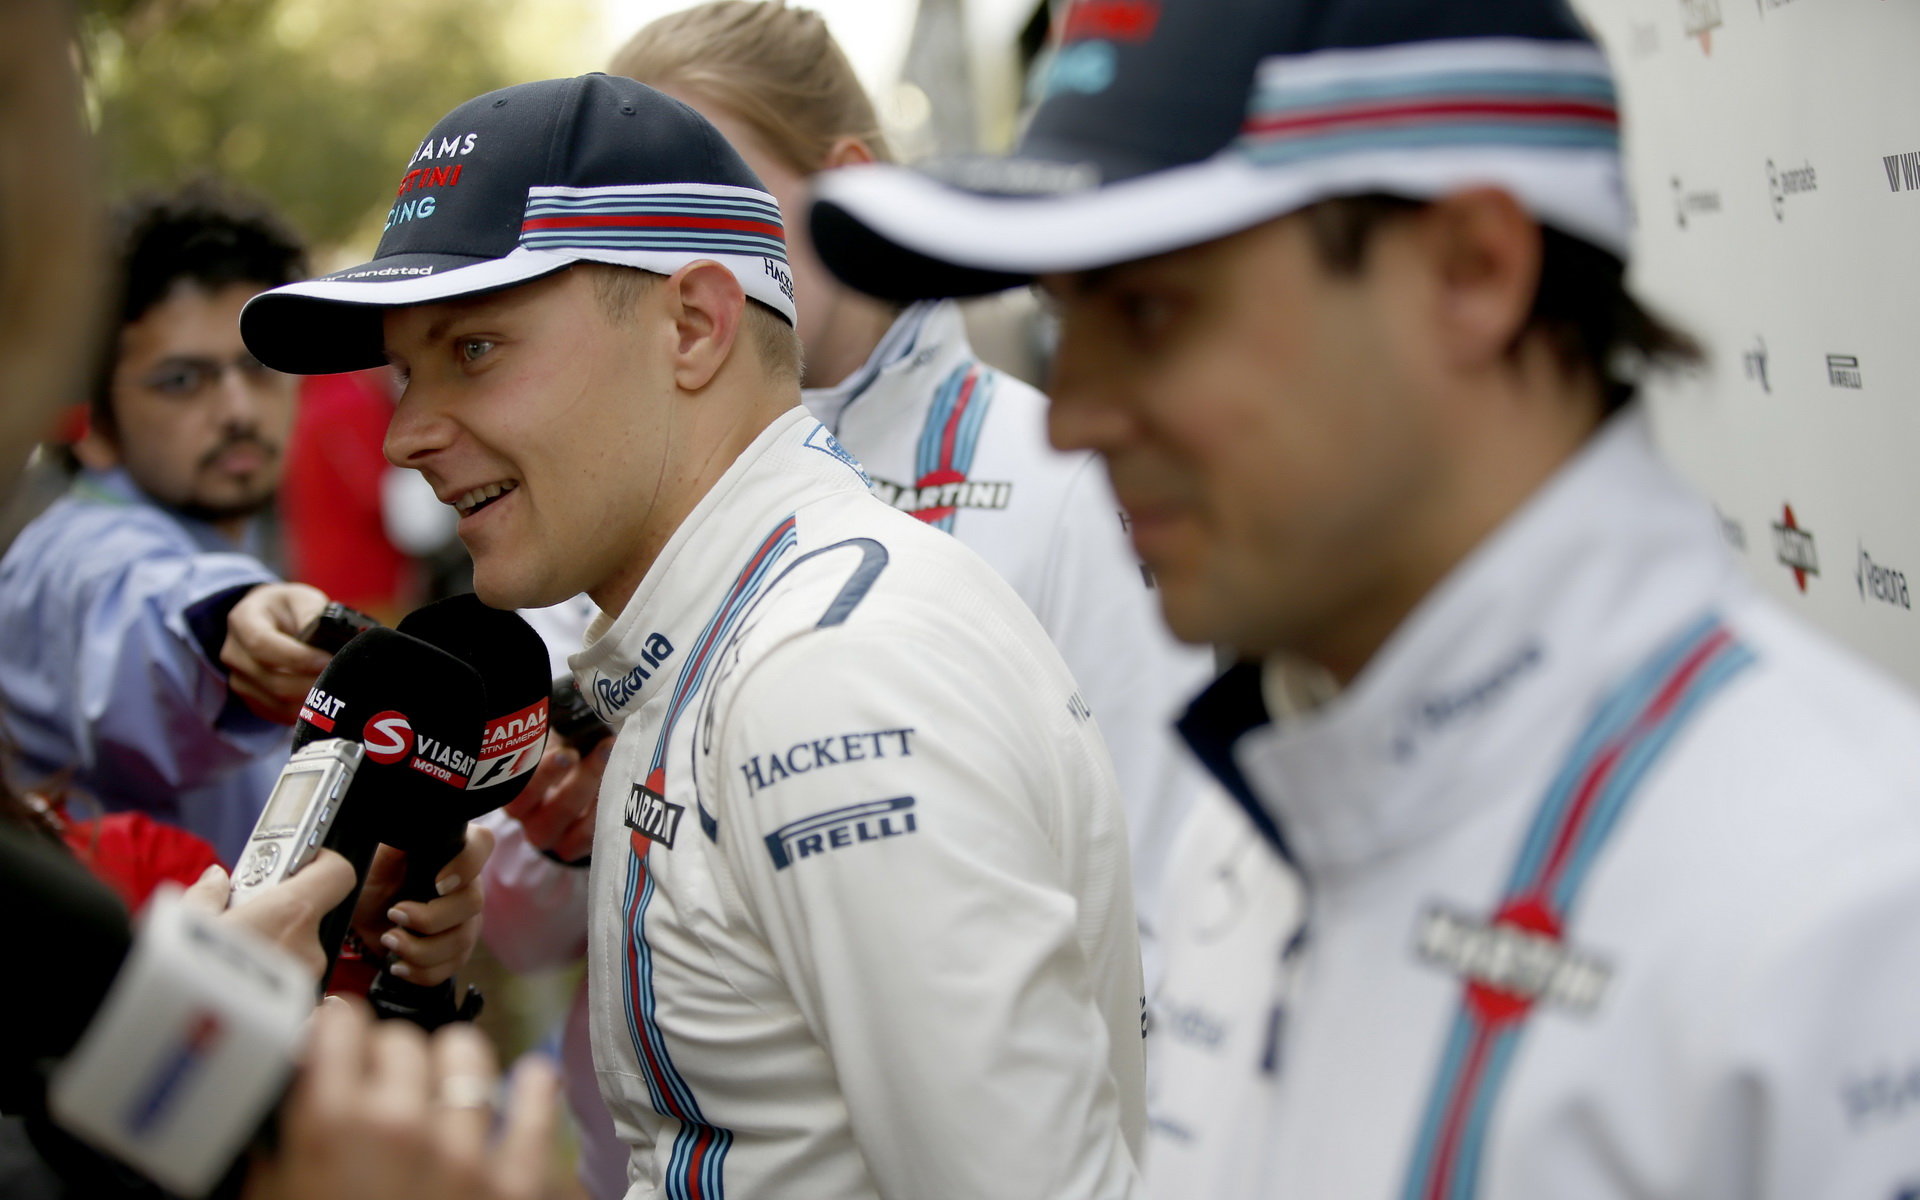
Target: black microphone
(418, 714)
(511, 661)
(166, 1052)
(76, 929)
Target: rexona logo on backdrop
(1789, 181)
(1880, 582)
(1731, 529)
(1701, 202)
(1700, 18)
(1903, 170)
(1793, 546)
(1843, 371)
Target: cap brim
(334, 323)
(901, 234)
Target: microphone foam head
(511, 661)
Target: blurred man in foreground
(1611, 868)
(118, 670)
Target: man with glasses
(150, 657)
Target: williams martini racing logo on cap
(1086, 58)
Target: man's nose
(418, 430)
(1085, 407)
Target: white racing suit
(1608, 887)
(860, 921)
(963, 447)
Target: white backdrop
(1774, 161)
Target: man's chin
(509, 590)
(231, 507)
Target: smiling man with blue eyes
(859, 920)
(122, 600)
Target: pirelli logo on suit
(839, 828)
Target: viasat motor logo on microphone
(321, 709)
(388, 737)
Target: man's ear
(847, 152)
(1487, 251)
(706, 304)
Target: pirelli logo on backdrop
(1843, 371)
(1700, 18)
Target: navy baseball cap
(1167, 123)
(526, 181)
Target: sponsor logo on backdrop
(1789, 181)
(1843, 371)
(1700, 18)
(1732, 530)
(1877, 581)
(1754, 363)
(1903, 170)
(1698, 202)
(1794, 547)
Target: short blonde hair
(619, 289)
(776, 68)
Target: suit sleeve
(885, 819)
(1100, 608)
(150, 709)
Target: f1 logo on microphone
(388, 737)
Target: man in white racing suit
(1561, 864)
(845, 844)
(861, 922)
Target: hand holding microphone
(502, 650)
(428, 940)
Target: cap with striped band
(519, 183)
(1211, 116)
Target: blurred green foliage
(314, 104)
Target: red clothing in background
(330, 498)
(134, 853)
